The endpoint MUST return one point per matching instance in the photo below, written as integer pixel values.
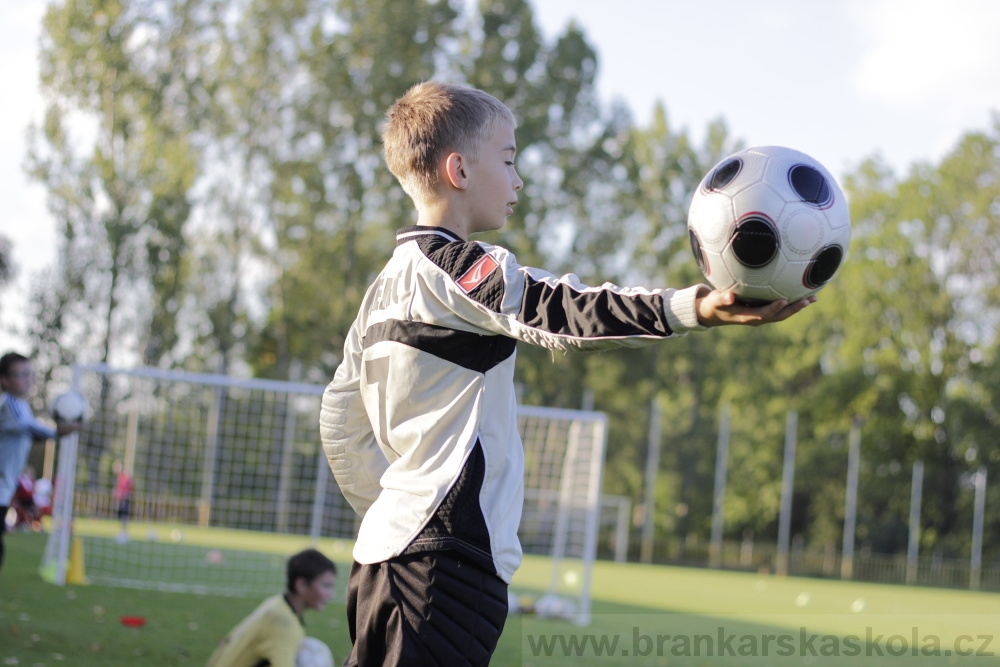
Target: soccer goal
(227, 478)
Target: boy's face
(18, 380)
(318, 592)
(494, 182)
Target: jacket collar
(409, 233)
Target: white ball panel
(838, 214)
(789, 281)
(751, 173)
(778, 166)
(840, 236)
(759, 292)
(718, 275)
(802, 231)
(761, 199)
(714, 214)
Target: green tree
(122, 201)
(7, 268)
(905, 344)
(314, 81)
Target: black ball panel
(810, 185)
(699, 255)
(725, 174)
(823, 266)
(754, 241)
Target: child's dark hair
(8, 360)
(308, 565)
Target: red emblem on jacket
(477, 273)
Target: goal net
(227, 478)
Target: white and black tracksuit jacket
(419, 423)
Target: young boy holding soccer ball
(18, 428)
(419, 422)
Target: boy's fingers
(727, 298)
(776, 311)
(791, 308)
(726, 308)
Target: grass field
(643, 615)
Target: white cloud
(922, 51)
(25, 220)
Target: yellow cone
(75, 573)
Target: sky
(841, 80)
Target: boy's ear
(455, 172)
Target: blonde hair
(432, 119)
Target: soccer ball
(513, 603)
(769, 223)
(555, 606)
(313, 653)
(69, 407)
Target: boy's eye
(510, 163)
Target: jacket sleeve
(16, 417)
(346, 432)
(562, 312)
(558, 312)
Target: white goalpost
(564, 461)
(228, 478)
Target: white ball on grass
(313, 653)
(555, 606)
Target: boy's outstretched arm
(717, 308)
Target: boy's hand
(717, 308)
(64, 428)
